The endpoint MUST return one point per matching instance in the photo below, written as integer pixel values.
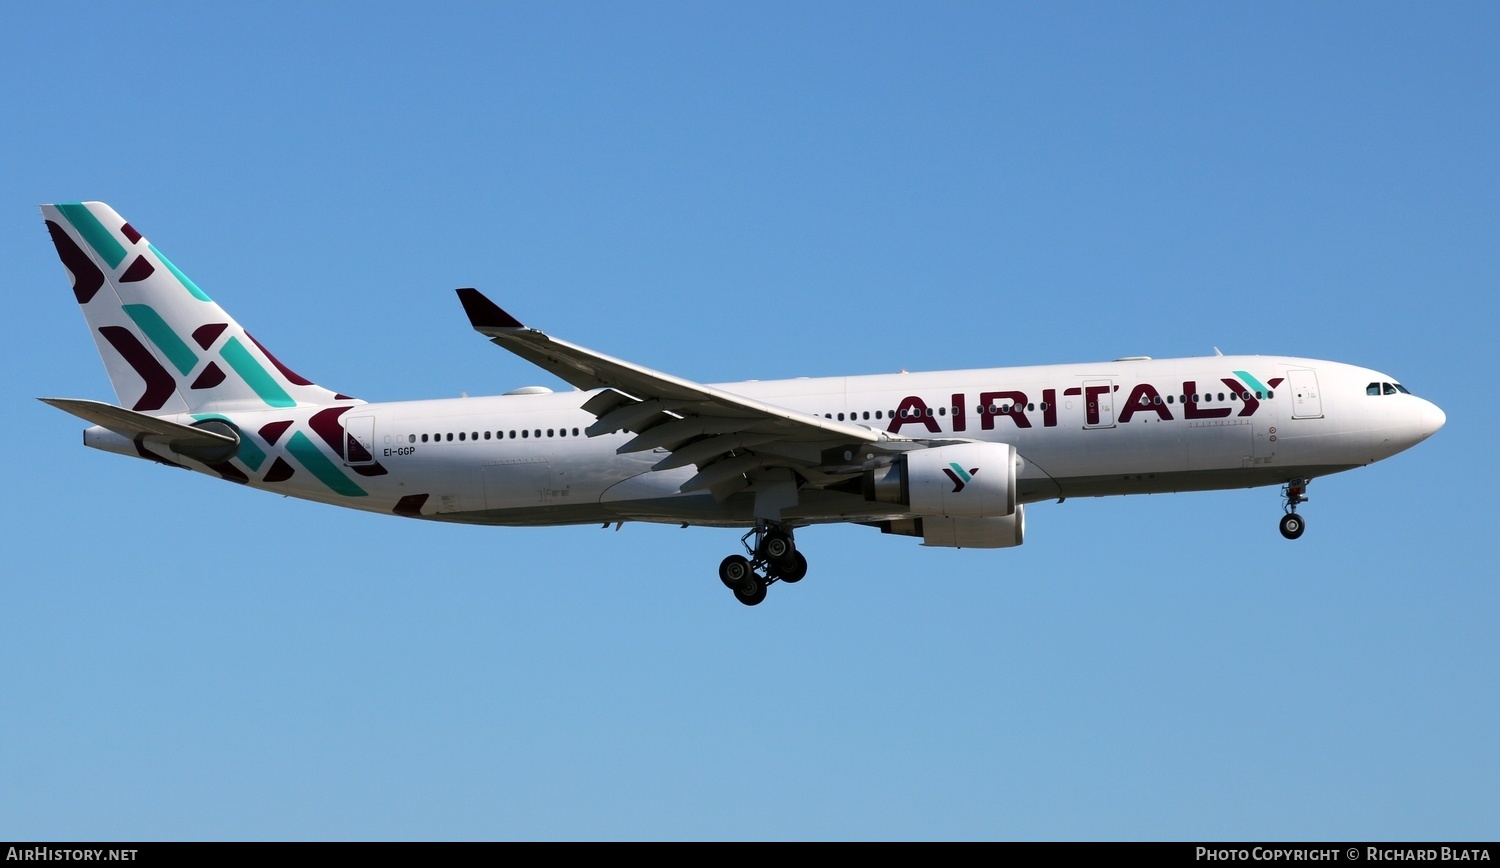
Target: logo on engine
(959, 477)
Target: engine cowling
(961, 480)
(1002, 532)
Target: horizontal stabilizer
(180, 438)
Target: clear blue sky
(730, 192)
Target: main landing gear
(1293, 493)
(773, 558)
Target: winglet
(483, 313)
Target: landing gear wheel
(796, 571)
(751, 592)
(1292, 525)
(777, 546)
(734, 570)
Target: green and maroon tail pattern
(167, 346)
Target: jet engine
(960, 480)
(1003, 532)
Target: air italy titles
(1233, 397)
(1351, 854)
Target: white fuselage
(1121, 427)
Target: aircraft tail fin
(167, 346)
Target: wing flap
(673, 434)
(709, 448)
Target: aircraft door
(359, 440)
(1098, 404)
(1304, 388)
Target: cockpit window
(1386, 389)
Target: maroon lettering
(1049, 408)
(1143, 398)
(960, 415)
(1251, 402)
(1191, 409)
(913, 411)
(1017, 402)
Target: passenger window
(460, 436)
(424, 438)
(525, 433)
(538, 432)
(549, 432)
(450, 436)
(575, 432)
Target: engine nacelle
(962, 480)
(1002, 532)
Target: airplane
(948, 457)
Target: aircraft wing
(731, 438)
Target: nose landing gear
(1292, 494)
(773, 558)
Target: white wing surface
(730, 438)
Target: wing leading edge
(735, 442)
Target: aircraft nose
(1433, 418)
